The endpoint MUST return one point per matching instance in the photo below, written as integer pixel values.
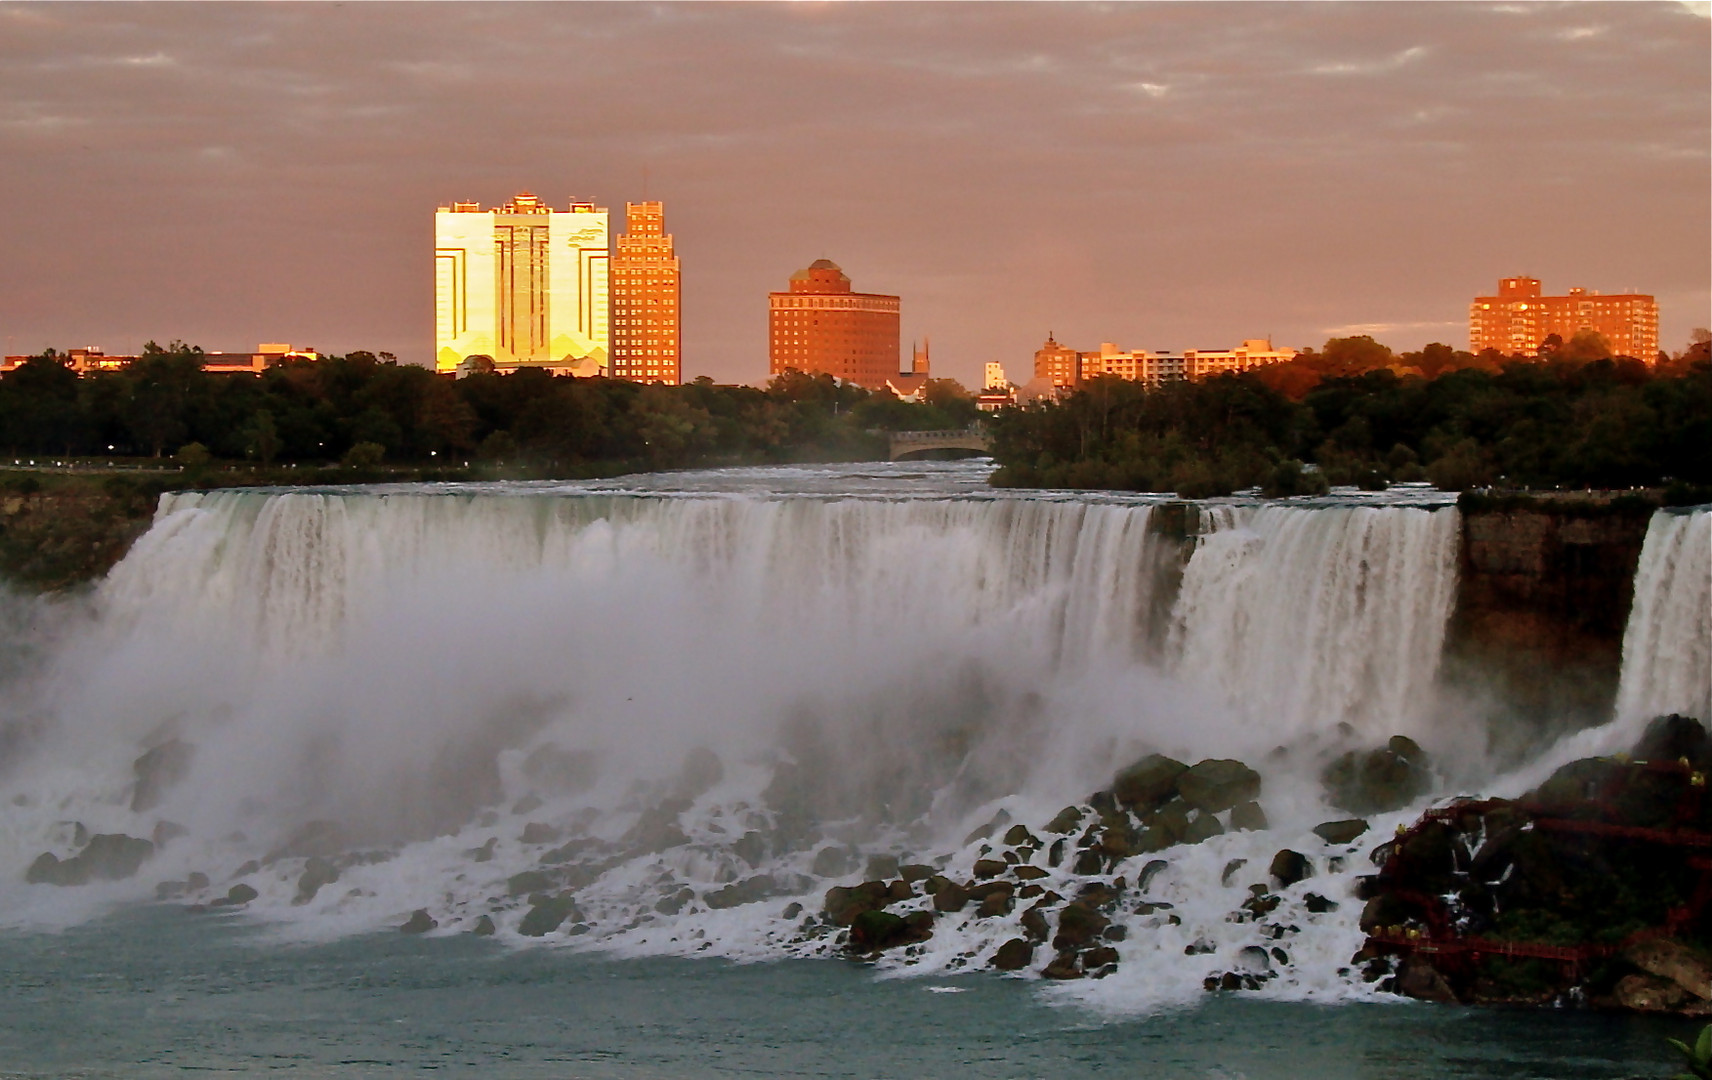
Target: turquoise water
(155, 992)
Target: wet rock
(536, 832)
(914, 872)
(844, 904)
(419, 922)
(1170, 822)
(547, 915)
(1149, 872)
(997, 822)
(995, 904)
(1669, 959)
(1674, 737)
(1063, 966)
(1289, 867)
(1098, 957)
(529, 881)
(49, 869)
(1118, 840)
(899, 890)
(1097, 894)
(316, 873)
(237, 896)
(483, 853)
(1078, 924)
(1202, 828)
(107, 857)
(951, 897)
(1380, 780)
(1115, 932)
(874, 931)
(881, 866)
(1014, 955)
(1143, 786)
(1199, 947)
(1341, 832)
(484, 926)
(1090, 863)
(1034, 922)
(1104, 803)
(657, 829)
(1248, 817)
(1066, 821)
(934, 883)
(157, 770)
(1030, 873)
(1649, 993)
(1055, 854)
(1030, 891)
(676, 902)
(791, 911)
(701, 771)
(1318, 905)
(834, 861)
(553, 768)
(1254, 959)
(751, 847)
(988, 868)
(1218, 784)
(1231, 868)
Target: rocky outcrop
(1593, 888)
(106, 857)
(1380, 780)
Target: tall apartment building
(522, 283)
(1066, 368)
(644, 280)
(821, 326)
(1519, 319)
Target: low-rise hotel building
(1518, 319)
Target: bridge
(904, 443)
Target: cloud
(229, 174)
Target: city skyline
(1145, 174)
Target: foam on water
(659, 688)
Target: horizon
(1148, 175)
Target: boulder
(1201, 828)
(676, 902)
(1090, 863)
(1248, 817)
(989, 868)
(1672, 738)
(1014, 955)
(995, 904)
(833, 861)
(529, 881)
(158, 770)
(237, 896)
(1149, 872)
(1289, 867)
(1066, 821)
(484, 926)
(914, 872)
(1018, 836)
(547, 915)
(50, 869)
(881, 866)
(1675, 961)
(1649, 993)
(537, 832)
(951, 897)
(1098, 957)
(1230, 870)
(1419, 979)
(1341, 832)
(874, 931)
(107, 857)
(1380, 780)
(419, 922)
(747, 891)
(843, 903)
(1030, 873)
(1217, 784)
(316, 873)
(1034, 922)
(1078, 924)
(1149, 782)
(751, 847)
(1063, 966)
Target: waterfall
(659, 695)
(1667, 646)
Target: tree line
(1355, 413)
(365, 409)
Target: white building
(522, 283)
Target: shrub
(365, 455)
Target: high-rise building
(645, 298)
(820, 326)
(522, 283)
(1518, 320)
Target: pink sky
(1162, 176)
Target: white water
(880, 671)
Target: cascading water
(1667, 648)
(688, 714)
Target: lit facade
(821, 326)
(644, 284)
(1065, 368)
(1518, 319)
(522, 283)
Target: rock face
(1218, 784)
(1589, 888)
(1543, 595)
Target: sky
(1159, 175)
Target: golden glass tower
(522, 283)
